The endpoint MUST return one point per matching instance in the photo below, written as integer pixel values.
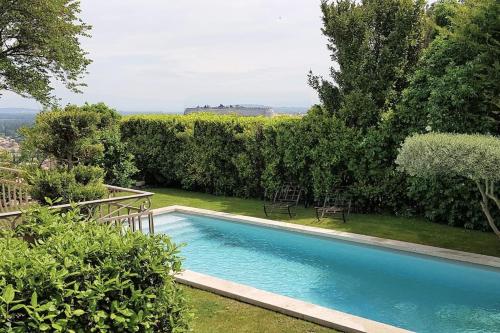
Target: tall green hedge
(240, 156)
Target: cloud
(170, 54)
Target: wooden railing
(123, 206)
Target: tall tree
(456, 87)
(375, 44)
(39, 42)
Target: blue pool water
(415, 292)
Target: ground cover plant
(60, 274)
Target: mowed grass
(216, 314)
(413, 230)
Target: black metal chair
(283, 200)
(334, 203)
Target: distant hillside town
(233, 109)
(9, 144)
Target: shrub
(75, 135)
(67, 276)
(82, 183)
(243, 156)
(87, 174)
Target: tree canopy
(476, 157)
(89, 134)
(39, 42)
(456, 86)
(376, 45)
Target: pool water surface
(411, 291)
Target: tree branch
(486, 210)
(490, 193)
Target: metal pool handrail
(129, 209)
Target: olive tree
(476, 157)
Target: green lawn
(214, 314)
(401, 228)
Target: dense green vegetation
(476, 157)
(86, 135)
(81, 183)
(242, 157)
(40, 43)
(415, 230)
(456, 85)
(59, 275)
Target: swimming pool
(411, 291)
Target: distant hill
(290, 109)
(17, 111)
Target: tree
(88, 135)
(69, 135)
(39, 43)
(376, 45)
(456, 87)
(476, 157)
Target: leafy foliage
(375, 44)
(89, 134)
(69, 135)
(243, 156)
(476, 157)
(70, 276)
(82, 183)
(39, 43)
(456, 86)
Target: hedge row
(239, 156)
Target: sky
(165, 55)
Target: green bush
(472, 158)
(58, 274)
(88, 134)
(243, 156)
(87, 174)
(82, 183)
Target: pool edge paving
(286, 305)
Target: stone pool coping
(300, 309)
(289, 306)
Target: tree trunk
(486, 209)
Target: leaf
(8, 294)
(34, 299)
(57, 327)
(43, 327)
(78, 312)
(17, 307)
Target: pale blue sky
(165, 55)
